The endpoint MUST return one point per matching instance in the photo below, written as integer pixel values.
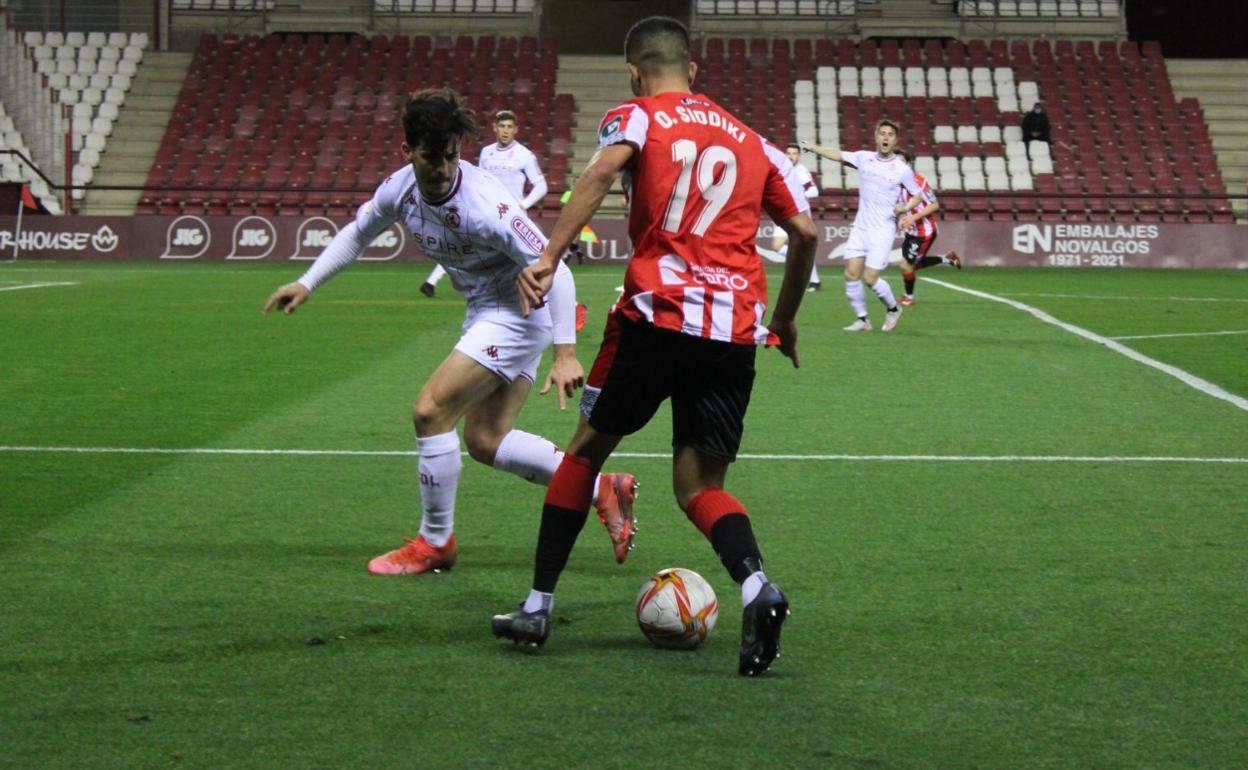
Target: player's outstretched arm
(587, 195)
(831, 153)
(803, 238)
(344, 249)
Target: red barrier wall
(1015, 244)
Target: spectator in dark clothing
(1036, 127)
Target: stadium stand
(1123, 147)
(91, 72)
(1040, 8)
(302, 124)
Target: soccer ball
(676, 608)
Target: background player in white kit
(779, 241)
(513, 164)
(472, 226)
(875, 224)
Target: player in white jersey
(875, 224)
(468, 222)
(512, 164)
(779, 241)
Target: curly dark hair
(434, 117)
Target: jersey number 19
(715, 191)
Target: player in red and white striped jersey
(688, 323)
(918, 222)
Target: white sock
(539, 600)
(752, 585)
(440, 465)
(884, 292)
(814, 274)
(857, 298)
(436, 275)
(532, 458)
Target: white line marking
(634, 455)
(1185, 334)
(1187, 378)
(1130, 299)
(38, 285)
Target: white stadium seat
(1012, 133)
(994, 165)
(89, 157)
(126, 67)
(998, 182)
(972, 164)
(121, 82)
(64, 52)
(110, 52)
(99, 81)
(76, 39)
(83, 111)
(102, 126)
(53, 38)
(140, 38)
(974, 181)
(982, 88)
(959, 89)
(32, 38)
(44, 52)
(1021, 181)
(950, 180)
(58, 81)
(925, 165)
(959, 75)
(990, 134)
(132, 53)
(95, 142)
(68, 96)
(1041, 166)
(110, 67)
(92, 96)
(947, 164)
(850, 177)
(88, 52)
(96, 39)
(118, 39)
(968, 134)
(66, 66)
(944, 134)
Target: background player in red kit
(918, 222)
(688, 322)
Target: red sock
(572, 486)
(709, 506)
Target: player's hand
(807, 146)
(287, 298)
(565, 375)
(787, 332)
(905, 223)
(533, 283)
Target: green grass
(164, 610)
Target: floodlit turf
(213, 611)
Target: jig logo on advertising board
(188, 237)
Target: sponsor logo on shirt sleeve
(528, 235)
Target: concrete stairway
(907, 18)
(598, 83)
(1219, 85)
(128, 155)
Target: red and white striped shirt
(925, 227)
(697, 186)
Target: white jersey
(513, 165)
(877, 189)
(806, 181)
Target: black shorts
(640, 365)
(914, 247)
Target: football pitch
(1014, 533)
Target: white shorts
(507, 344)
(875, 246)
